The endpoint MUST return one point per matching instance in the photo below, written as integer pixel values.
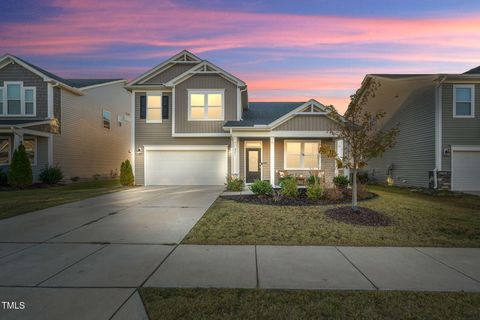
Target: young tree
(362, 134)
(20, 171)
(126, 174)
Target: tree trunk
(354, 190)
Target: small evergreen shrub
(126, 174)
(315, 189)
(20, 172)
(289, 188)
(51, 175)
(3, 179)
(234, 183)
(261, 188)
(341, 182)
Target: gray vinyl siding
(161, 134)
(307, 123)
(458, 131)
(170, 73)
(84, 148)
(413, 156)
(200, 81)
(15, 72)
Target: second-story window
(154, 107)
(206, 105)
(107, 117)
(463, 101)
(17, 100)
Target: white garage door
(186, 167)
(465, 170)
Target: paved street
(87, 259)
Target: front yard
(22, 201)
(418, 220)
(291, 304)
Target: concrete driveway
(85, 259)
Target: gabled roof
(183, 56)
(473, 71)
(83, 83)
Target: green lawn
(245, 304)
(419, 220)
(21, 201)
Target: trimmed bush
(20, 172)
(363, 177)
(3, 179)
(333, 194)
(341, 182)
(234, 183)
(261, 188)
(51, 175)
(289, 188)
(315, 189)
(126, 174)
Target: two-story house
(194, 125)
(439, 141)
(81, 125)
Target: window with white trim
(30, 145)
(302, 155)
(463, 101)
(205, 105)
(154, 107)
(4, 151)
(106, 118)
(17, 100)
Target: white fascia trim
(133, 149)
(200, 135)
(472, 99)
(465, 148)
(285, 134)
(185, 147)
(102, 84)
(192, 71)
(163, 64)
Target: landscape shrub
(51, 175)
(333, 194)
(20, 172)
(126, 174)
(362, 191)
(261, 188)
(341, 182)
(289, 188)
(315, 189)
(3, 179)
(234, 183)
(363, 177)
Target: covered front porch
(269, 157)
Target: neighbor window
(463, 101)
(154, 107)
(4, 150)
(301, 155)
(17, 100)
(205, 105)
(106, 116)
(30, 145)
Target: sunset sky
(284, 50)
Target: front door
(253, 156)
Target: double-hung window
(302, 155)
(206, 105)
(463, 101)
(4, 150)
(154, 107)
(17, 100)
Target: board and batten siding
(201, 81)
(84, 148)
(15, 72)
(413, 156)
(306, 123)
(170, 73)
(161, 134)
(458, 131)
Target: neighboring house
(439, 141)
(81, 125)
(194, 125)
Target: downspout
(438, 129)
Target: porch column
(235, 157)
(272, 160)
(17, 138)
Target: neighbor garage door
(465, 168)
(202, 166)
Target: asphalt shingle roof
(473, 71)
(18, 121)
(263, 113)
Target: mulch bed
(364, 217)
(302, 200)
